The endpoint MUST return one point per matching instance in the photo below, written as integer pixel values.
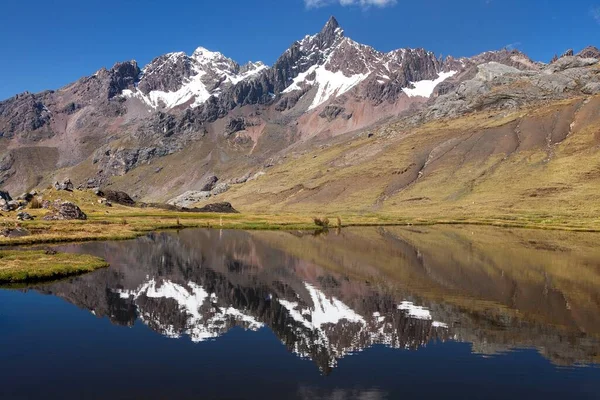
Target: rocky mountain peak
(205, 56)
(589, 52)
(330, 34)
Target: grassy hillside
(539, 165)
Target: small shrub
(322, 222)
(339, 222)
(123, 221)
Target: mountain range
(331, 121)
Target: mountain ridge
(128, 127)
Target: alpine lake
(459, 312)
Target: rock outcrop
(65, 211)
(222, 207)
(117, 197)
(189, 198)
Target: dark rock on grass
(223, 207)
(11, 205)
(23, 216)
(117, 197)
(14, 233)
(66, 211)
(65, 185)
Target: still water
(369, 313)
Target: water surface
(369, 313)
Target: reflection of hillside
(501, 288)
(329, 296)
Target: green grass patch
(28, 266)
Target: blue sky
(47, 44)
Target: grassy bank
(27, 266)
(120, 222)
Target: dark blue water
(76, 339)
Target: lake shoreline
(131, 226)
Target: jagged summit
(330, 33)
(332, 24)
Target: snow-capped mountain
(177, 79)
(332, 64)
(328, 62)
(247, 117)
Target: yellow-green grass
(120, 222)
(36, 265)
(357, 181)
(488, 181)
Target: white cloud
(361, 3)
(595, 12)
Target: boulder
(223, 207)
(118, 197)
(220, 188)
(14, 232)
(11, 205)
(65, 211)
(23, 216)
(65, 185)
(189, 198)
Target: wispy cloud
(360, 3)
(595, 13)
(513, 46)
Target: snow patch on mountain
(329, 84)
(414, 311)
(325, 310)
(333, 84)
(200, 326)
(425, 88)
(194, 88)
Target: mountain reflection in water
(332, 295)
